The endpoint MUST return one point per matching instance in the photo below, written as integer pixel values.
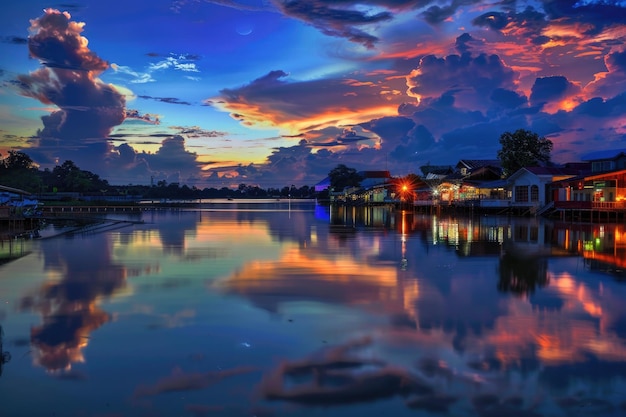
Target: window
(608, 165)
(534, 193)
(521, 194)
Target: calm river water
(281, 309)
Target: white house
(529, 185)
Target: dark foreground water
(277, 310)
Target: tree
(18, 160)
(69, 177)
(523, 148)
(341, 177)
(19, 171)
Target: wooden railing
(590, 205)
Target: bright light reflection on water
(288, 309)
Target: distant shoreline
(226, 201)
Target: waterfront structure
(375, 188)
(594, 189)
(594, 196)
(529, 186)
(607, 160)
(14, 197)
(17, 208)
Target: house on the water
(530, 186)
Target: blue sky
(272, 92)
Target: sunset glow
(250, 82)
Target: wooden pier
(592, 211)
(52, 211)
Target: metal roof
(605, 154)
(13, 190)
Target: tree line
(518, 149)
(18, 170)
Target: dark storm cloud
(612, 81)
(433, 111)
(57, 43)
(465, 42)
(181, 56)
(88, 108)
(172, 156)
(598, 107)
(549, 89)
(333, 20)
(481, 74)
(617, 60)
(588, 17)
(528, 23)
(197, 132)
(507, 99)
(16, 40)
(170, 100)
(298, 164)
(390, 128)
(305, 105)
(480, 140)
(437, 14)
(346, 138)
(410, 149)
(136, 115)
(69, 6)
(596, 15)
(341, 18)
(401, 137)
(492, 20)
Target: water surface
(287, 309)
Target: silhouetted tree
(523, 148)
(18, 160)
(341, 177)
(18, 170)
(69, 177)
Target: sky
(216, 93)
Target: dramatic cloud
(317, 83)
(172, 158)
(303, 105)
(170, 100)
(548, 90)
(507, 99)
(462, 74)
(148, 118)
(88, 108)
(17, 40)
(613, 80)
(333, 20)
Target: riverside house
(577, 189)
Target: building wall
(529, 190)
